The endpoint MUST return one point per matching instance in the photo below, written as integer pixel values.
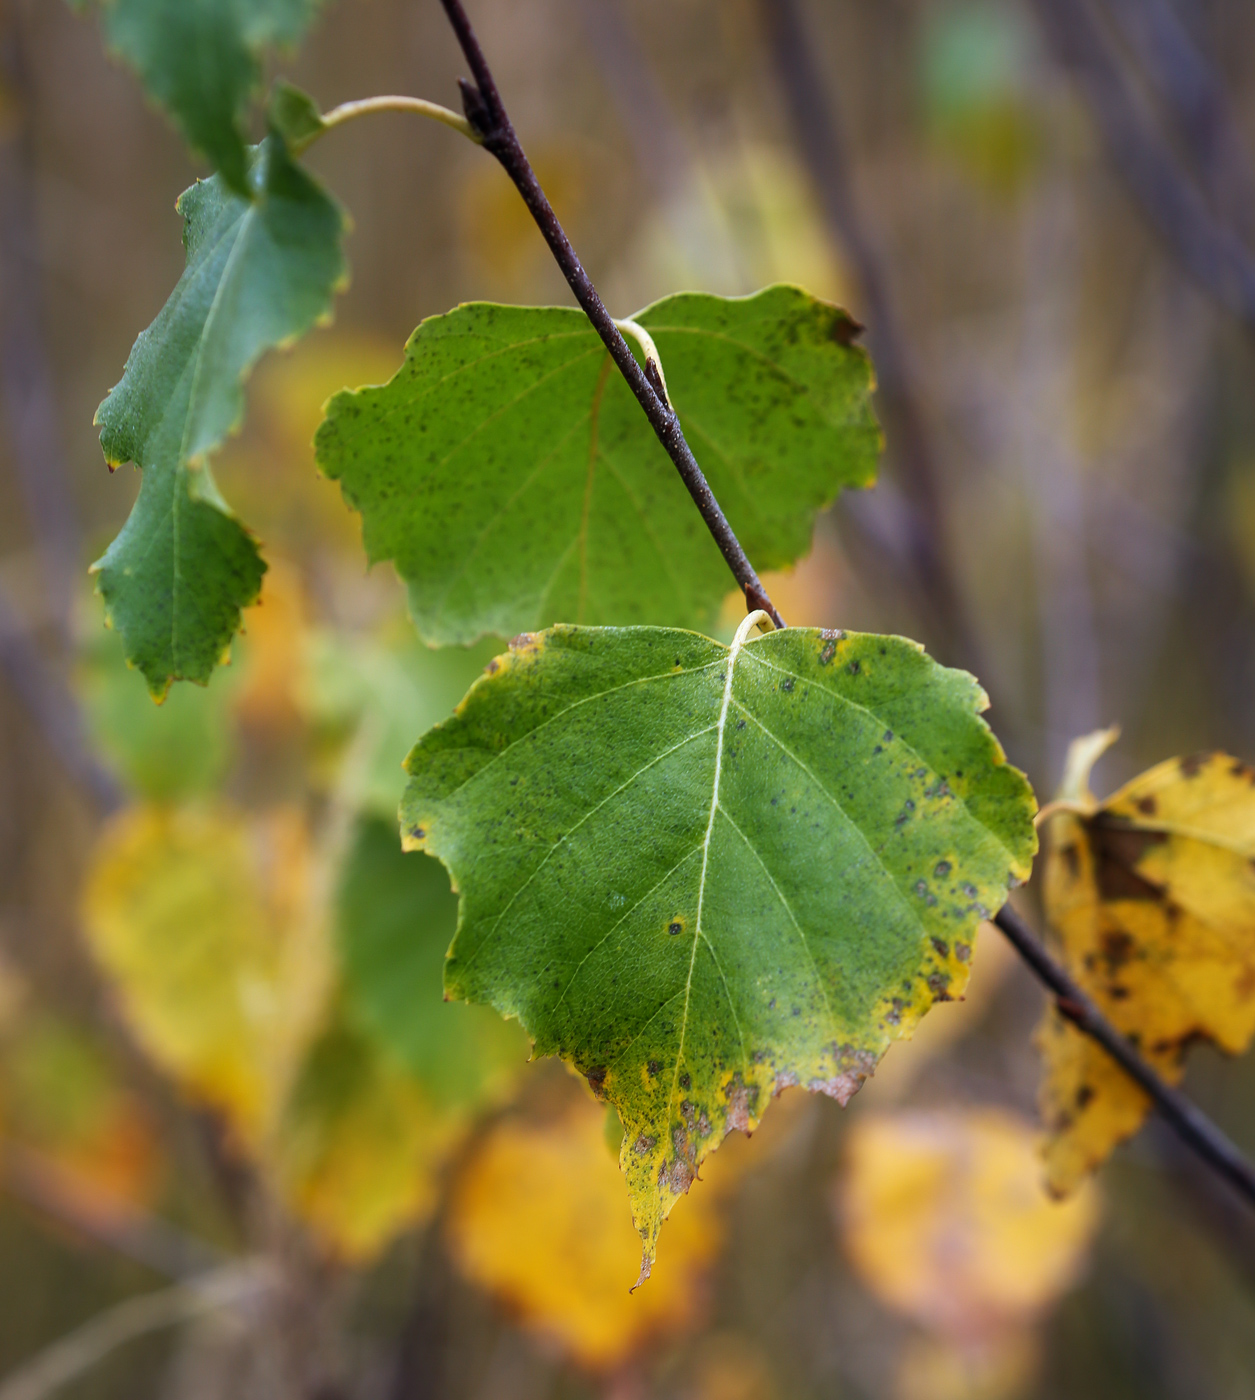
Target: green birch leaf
(701, 875)
(510, 475)
(260, 271)
(395, 918)
(201, 61)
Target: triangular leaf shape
(201, 61)
(702, 874)
(510, 475)
(260, 272)
(1152, 899)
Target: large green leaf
(702, 874)
(260, 271)
(201, 61)
(511, 476)
(396, 915)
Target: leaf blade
(513, 480)
(259, 273)
(649, 882)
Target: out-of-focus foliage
(283, 972)
(945, 1218)
(397, 917)
(202, 921)
(977, 71)
(261, 270)
(1151, 895)
(692, 920)
(66, 1107)
(537, 1217)
(510, 474)
(201, 61)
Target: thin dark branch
(1191, 1123)
(817, 130)
(1211, 254)
(486, 113)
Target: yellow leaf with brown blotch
(1151, 896)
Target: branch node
(477, 110)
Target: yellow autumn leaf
(538, 1218)
(944, 1218)
(1151, 896)
(199, 917)
(362, 1145)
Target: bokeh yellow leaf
(538, 1218)
(944, 1218)
(362, 1145)
(1151, 895)
(199, 917)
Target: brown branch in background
(26, 384)
(1187, 84)
(29, 404)
(1213, 255)
(144, 1239)
(1190, 1122)
(53, 710)
(819, 138)
(486, 113)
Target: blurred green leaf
(396, 918)
(201, 61)
(701, 875)
(176, 750)
(383, 691)
(510, 475)
(259, 273)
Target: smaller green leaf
(396, 916)
(293, 115)
(260, 271)
(201, 61)
(510, 475)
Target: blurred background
(217, 1175)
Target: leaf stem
(487, 116)
(364, 106)
(1193, 1126)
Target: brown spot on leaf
(1148, 805)
(1192, 764)
(596, 1079)
(1117, 851)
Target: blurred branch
(146, 1240)
(487, 114)
(819, 137)
(75, 1353)
(1192, 1125)
(1187, 82)
(26, 384)
(52, 709)
(1212, 254)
